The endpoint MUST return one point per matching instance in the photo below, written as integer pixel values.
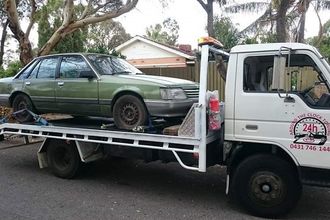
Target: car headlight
(174, 93)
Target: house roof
(165, 47)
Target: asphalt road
(125, 189)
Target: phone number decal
(313, 148)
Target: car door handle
(27, 83)
(60, 83)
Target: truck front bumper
(169, 108)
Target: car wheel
(21, 102)
(267, 186)
(63, 159)
(129, 112)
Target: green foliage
(226, 32)
(322, 45)
(261, 38)
(166, 33)
(11, 70)
(106, 36)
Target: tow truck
(272, 133)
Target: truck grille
(192, 92)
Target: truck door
(300, 124)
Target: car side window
(72, 66)
(47, 68)
(34, 72)
(26, 72)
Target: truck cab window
(305, 79)
(258, 73)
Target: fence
(191, 72)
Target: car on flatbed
(87, 84)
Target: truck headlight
(172, 93)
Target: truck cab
(277, 113)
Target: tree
(93, 12)
(324, 44)
(4, 24)
(49, 20)
(301, 8)
(274, 10)
(107, 35)
(226, 32)
(208, 8)
(283, 14)
(167, 32)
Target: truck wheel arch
(243, 150)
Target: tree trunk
(210, 28)
(3, 39)
(281, 33)
(301, 31)
(25, 47)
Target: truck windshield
(109, 65)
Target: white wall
(140, 50)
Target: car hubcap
(266, 189)
(129, 114)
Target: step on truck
(272, 134)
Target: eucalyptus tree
(94, 11)
(167, 32)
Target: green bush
(11, 70)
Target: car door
(40, 84)
(76, 87)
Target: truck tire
(266, 186)
(63, 159)
(21, 102)
(128, 112)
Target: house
(149, 55)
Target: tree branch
(32, 21)
(68, 26)
(67, 12)
(86, 10)
(95, 19)
(202, 4)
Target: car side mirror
(89, 74)
(279, 73)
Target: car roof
(70, 54)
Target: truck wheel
(129, 112)
(63, 159)
(20, 102)
(267, 186)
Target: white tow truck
(274, 136)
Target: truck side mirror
(279, 73)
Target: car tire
(21, 102)
(63, 159)
(266, 186)
(128, 112)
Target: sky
(192, 18)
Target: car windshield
(109, 65)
